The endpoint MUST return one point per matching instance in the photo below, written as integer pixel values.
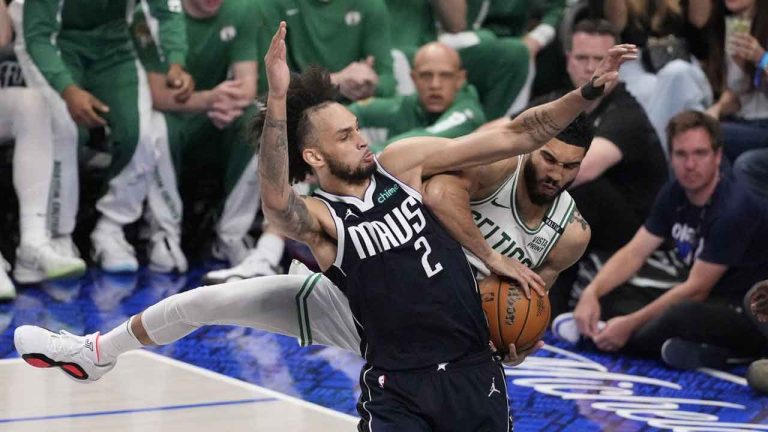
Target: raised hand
(278, 74)
(607, 72)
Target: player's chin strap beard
(591, 92)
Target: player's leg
(164, 200)
(473, 397)
(123, 87)
(726, 332)
(271, 304)
(64, 188)
(386, 402)
(33, 162)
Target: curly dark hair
(307, 92)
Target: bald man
(443, 105)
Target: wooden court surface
(149, 392)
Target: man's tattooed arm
(577, 217)
(283, 207)
(541, 123)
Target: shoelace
(58, 344)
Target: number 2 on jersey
(431, 271)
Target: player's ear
(313, 157)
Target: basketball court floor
(233, 379)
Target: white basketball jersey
(498, 220)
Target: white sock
(33, 229)
(119, 340)
(32, 162)
(271, 247)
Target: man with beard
(518, 207)
(719, 231)
(394, 268)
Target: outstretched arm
(447, 196)
(415, 158)
(284, 208)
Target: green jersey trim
(305, 331)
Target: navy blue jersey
(730, 230)
(409, 285)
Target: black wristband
(590, 92)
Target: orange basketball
(512, 318)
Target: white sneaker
(64, 245)
(7, 290)
(112, 252)
(43, 262)
(233, 250)
(76, 356)
(254, 265)
(564, 328)
(165, 254)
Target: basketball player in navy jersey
(408, 285)
(410, 288)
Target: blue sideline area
(561, 389)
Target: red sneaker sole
(42, 361)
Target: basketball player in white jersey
(270, 303)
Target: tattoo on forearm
(273, 153)
(540, 125)
(295, 218)
(577, 217)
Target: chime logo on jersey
(387, 193)
(227, 33)
(400, 225)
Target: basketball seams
(525, 321)
(499, 315)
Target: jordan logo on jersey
(398, 228)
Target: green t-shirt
(386, 120)
(96, 30)
(510, 17)
(215, 43)
(335, 33)
(415, 23)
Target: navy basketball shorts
(467, 396)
